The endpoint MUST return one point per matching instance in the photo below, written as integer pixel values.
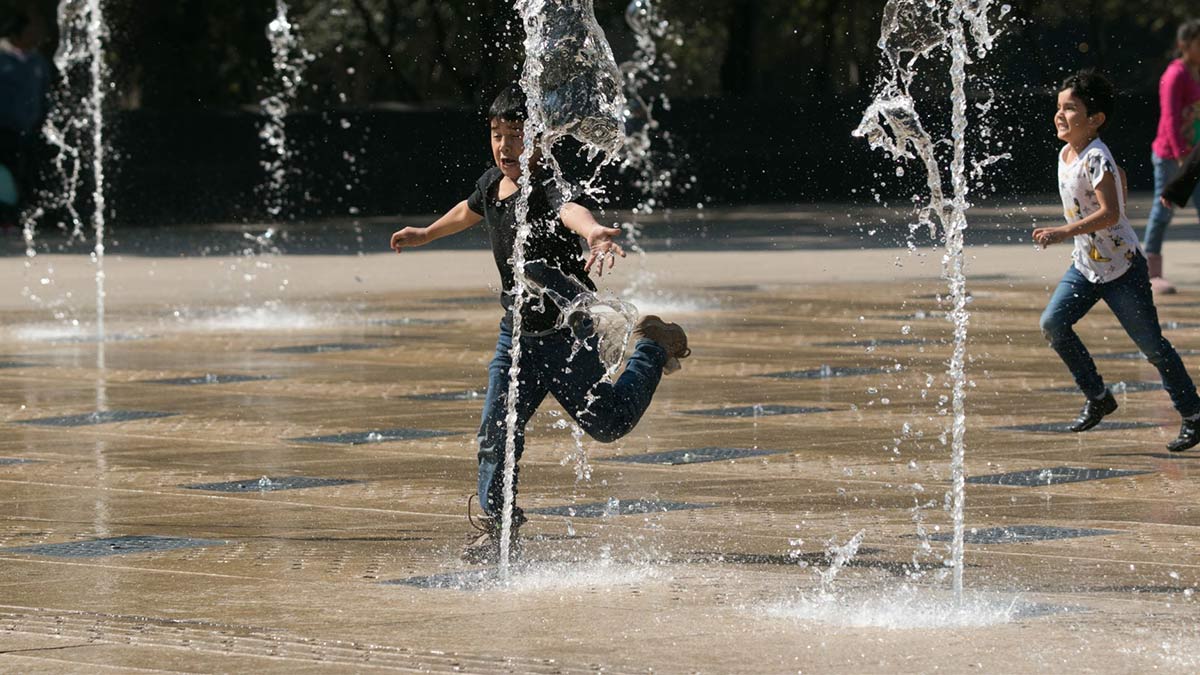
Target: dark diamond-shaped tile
(10, 461)
(735, 288)
(1133, 356)
(615, 508)
(944, 299)
(468, 395)
(756, 411)
(270, 484)
(469, 580)
(1179, 325)
(1173, 456)
(1021, 533)
(1139, 589)
(1117, 388)
(889, 342)
(693, 456)
(211, 378)
(379, 436)
(109, 337)
(915, 316)
(1064, 427)
(94, 548)
(17, 364)
(1052, 476)
(323, 348)
(99, 417)
(411, 322)
(785, 559)
(826, 372)
(470, 300)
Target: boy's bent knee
(606, 433)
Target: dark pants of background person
(15, 156)
(1160, 216)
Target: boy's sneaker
(1189, 436)
(669, 336)
(484, 547)
(1093, 411)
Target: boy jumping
(549, 364)
(1107, 263)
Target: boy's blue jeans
(1165, 171)
(1132, 300)
(605, 411)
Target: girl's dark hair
(1189, 30)
(1096, 92)
(509, 105)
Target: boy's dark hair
(1188, 30)
(1096, 92)
(509, 105)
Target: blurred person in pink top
(1178, 133)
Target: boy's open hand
(409, 237)
(601, 244)
(1045, 236)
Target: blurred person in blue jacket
(24, 81)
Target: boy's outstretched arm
(1106, 216)
(456, 220)
(599, 238)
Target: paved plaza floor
(265, 466)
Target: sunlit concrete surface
(218, 553)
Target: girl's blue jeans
(1132, 301)
(605, 411)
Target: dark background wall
(200, 167)
(764, 96)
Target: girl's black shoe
(1093, 411)
(1189, 436)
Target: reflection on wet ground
(293, 499)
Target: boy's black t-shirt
(552, 252)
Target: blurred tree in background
(214, 53)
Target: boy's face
(508, 141)
(1072, 121)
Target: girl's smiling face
(1190, 52)
(1072, 122)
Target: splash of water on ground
(839, 557)
(603, 573)
(669, 303)
(907, 607)
(272, 316)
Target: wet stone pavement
(291, 496)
